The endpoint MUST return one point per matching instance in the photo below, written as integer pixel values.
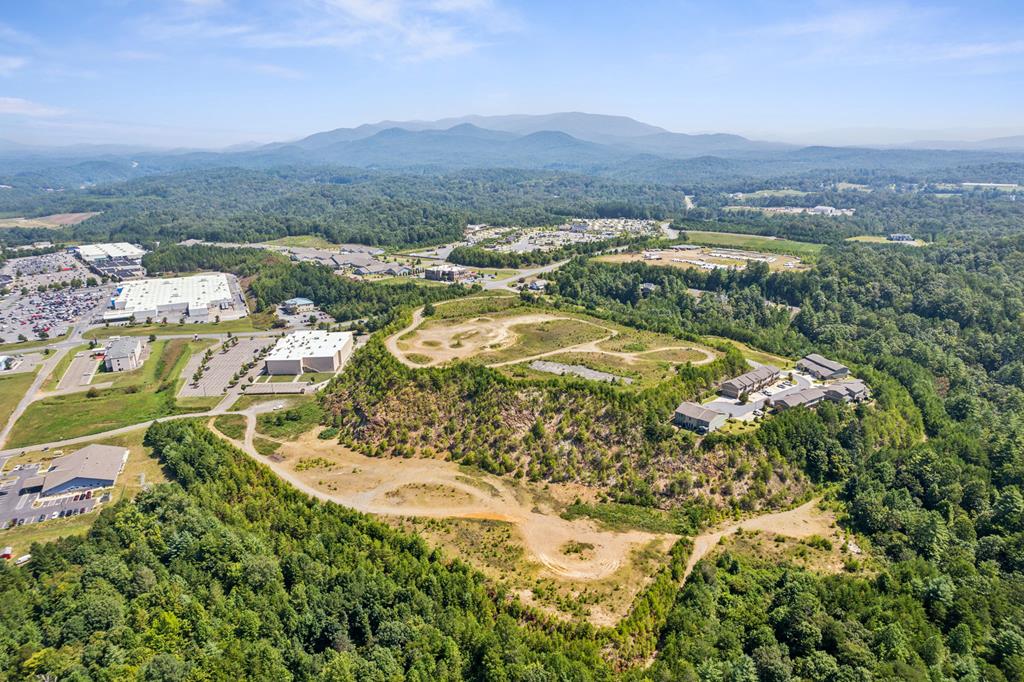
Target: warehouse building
(123, 354)
(752, 381)
(698, 418)
(94, 466)
(822, 368)
(200, 298)
(91, 253)
(312, 350)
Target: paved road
(499, 284)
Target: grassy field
(12, 390)
(753, 242)
(756, 355)
(148, 395)
(765, 193)
(305, 240)
(19, 346)
(141, 470)
(252, 323)
(542, 337)
(231, 425)
(244, 402)
(291, 423)
(265, 447)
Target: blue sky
(218, 72)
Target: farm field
(717, 256)
(754, 242)
(147, 393)
(510, 334)
(55, 221)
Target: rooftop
(198, 291)
(309, 343)
(92, 252)
(103, 462)
(122, 346)
(822, 361)
(697, 412)
(298, 301)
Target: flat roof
(198, 291)
(102, 462)
(91, 252)
(122, 346)
(298, 301)
(313, 343)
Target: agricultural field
(138, 396)
(706, 258)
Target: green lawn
(231, 425)
(291, 423)
(753, 242)
(9, 348)
(878, 239)
(265, 447)
(131, 402)
(12, 390)
(252, 323)
(305, 240)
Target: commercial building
(378, 268)
(752, 381)
(822, 368)
(313, 350)
(90, 253)
(447, 273)
(698, 417)
(295, 306)
(94, 466)
(123, 354)
(201, 298)
(901, 237)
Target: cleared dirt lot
(56, 220)
(722, 256)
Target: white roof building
(310, 350)
(94, 252)
(200, 297)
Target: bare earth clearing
(56, 220)
(498, 336)
(677, 259)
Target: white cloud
(9, 65)
(23, 107)
(406, 30)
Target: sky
(210, 73)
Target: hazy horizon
(215, 73)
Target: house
(298, 305)
(900, 237)
(648, 288)
(698, 418)
(94, 466)
(808, 397)
(853, 391)
(312, 350)
(538, 285)
(752, 381)
(123, 354)
(822, 368)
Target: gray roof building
(753, 380)
(123, 347)
(698, 417)
(822, 368)
(94, 466)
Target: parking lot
(51, 312)
(80, 372)
(17, 509)
(756, 401)
(221, 367)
